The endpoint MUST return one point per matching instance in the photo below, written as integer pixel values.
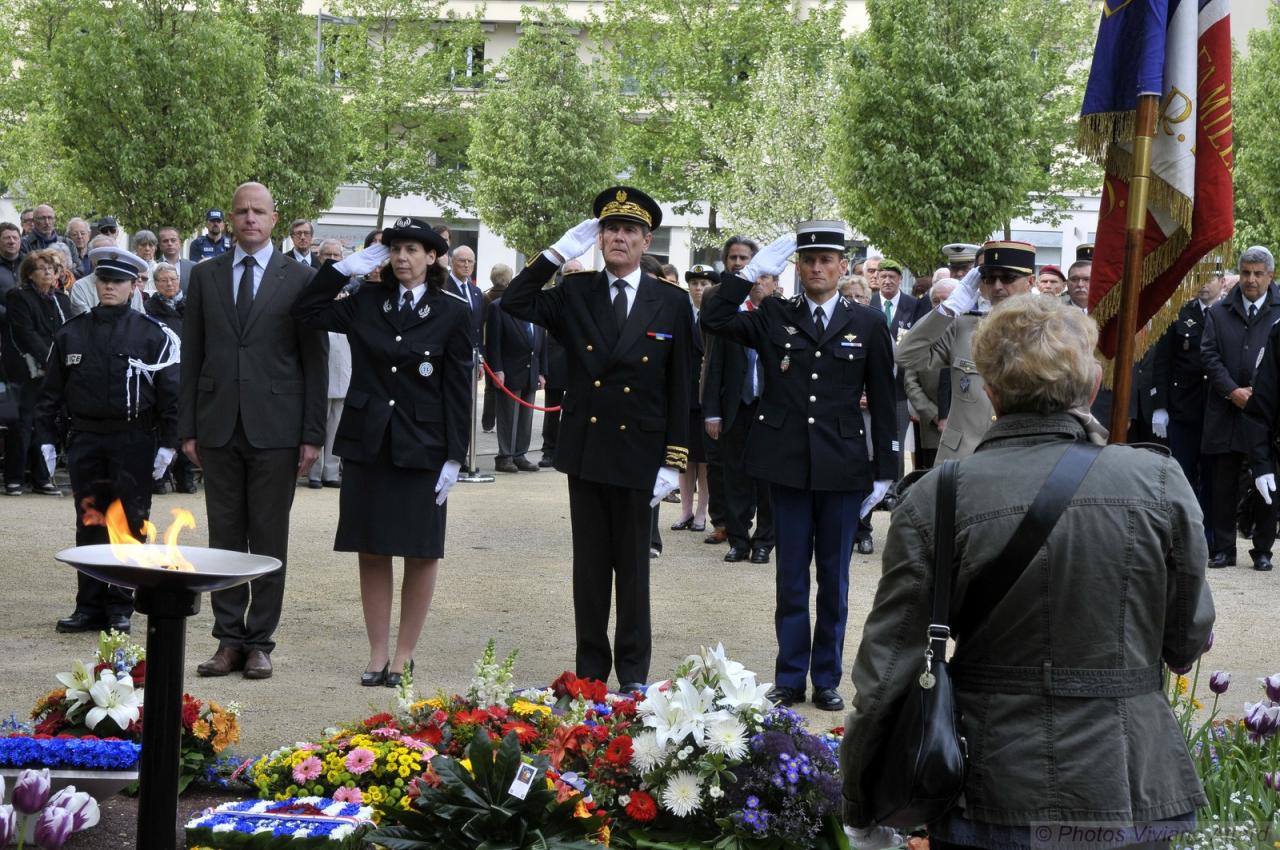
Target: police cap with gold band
(702, 272)
(627, 204)
(1084, 253)
(1015, 256)
(960, 253)
(821, 235)
(112, 263)
(418, 230)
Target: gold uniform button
(993, 419)
(644, 359)
(810, 420)
(597, 383)
(589, 348)
(626, 389)
(593, 420)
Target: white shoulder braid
(453, 294)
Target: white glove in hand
(363, 262)
(772, 259)
(965, 296)
(668, 480)
(448, 477)
(1266, 485)
(579, 239)
(164, 457)
(1160, 423)
(50, 456)
(873, 837)
(878, 489)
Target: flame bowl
(215, 569)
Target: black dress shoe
(1262, 563)
(785, 696)
(760, 555)
(631, 687)
(333, 484)
(79, 622)
(736, 554)
(393, 680)
(683, 525)
(314, 485)
(525, 465)
(827, 699)
(119, 622)
(866, 547)
(504, 466)
(1222, 559)
(547, 461)
(375, 678)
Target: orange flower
(200, 729)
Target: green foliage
(401, 66)
(471, 807)
(954, 117)
(1256, 136)
(542, 143)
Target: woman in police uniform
(406, 425)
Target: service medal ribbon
(659, 335)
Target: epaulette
(796, 300)
(844, 302)
(1163, 451)
(453, 294)
(585, 274)
(662, 279)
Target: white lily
(115, 698)
(743, 693)
(726, 668)
(77, 682)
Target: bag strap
(944, 546)
(994, 582)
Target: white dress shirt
(417, 293)
(828, 309)
(261, 257)
(632, 281)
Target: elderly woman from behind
(1058, 682)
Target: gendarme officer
(114, 370)
(819, 353)
(624, 423)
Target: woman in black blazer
(36, 308)
(406, 424)
(694, 478)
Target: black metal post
(167, 612)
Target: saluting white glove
(50, 456)
(965, 296)
(1266, 485)
(878, 489)
(578, 240)
(1160, 423)
(363, 262)
(772, 259)
(448, 477)
(873, 837)
(668, 480)
(164, 457)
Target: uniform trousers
(104, 468)
(248, 493)
(1224, 474)
(515, 424)
(744, 496)
(716, 510)
(327, 467)
(1184, 445)
(812, 526)
(611, 528)
(551, 422)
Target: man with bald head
(44, 234)
(251, 414)
(462, 282)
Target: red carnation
(625, 708)
(560, 687)
(619, 751)
(589, 689)
(378, 719)
(641, 808)
(139, 674)
(190, 710)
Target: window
(469, 73)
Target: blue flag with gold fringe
(1128, 60)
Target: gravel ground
(506, 576)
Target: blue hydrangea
(17, 751)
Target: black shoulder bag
(920, 769)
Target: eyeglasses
(107, 229)
(1004, 277)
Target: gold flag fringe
(1162, 195)
(1096, 133)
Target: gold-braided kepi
(629, 204)
(1015, 256)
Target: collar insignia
(790, 329)
(424, 310)
(1190, 322)
(386, 306)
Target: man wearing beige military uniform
(943, 338)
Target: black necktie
(819, 321)
(1253, 312)
(244, 294)
(620, 302)
(406, 307)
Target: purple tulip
(1220, 681)
(82, 807)
(31, 791)
(1272, 684)
(8, 825)
(1182, 671)
(1261, 719)
(1208, 645)
(53, 828)
(1272, 780)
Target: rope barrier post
(472, 474)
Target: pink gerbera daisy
(359, 760)
(385, 732)
(348, 795)
(307, 770)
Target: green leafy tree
(952, 144)
(403, 65)
(542, 139)
(1256, 136)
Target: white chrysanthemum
(683, 794)
(646, 752)
(728, 737)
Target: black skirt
(386, 510)
(697, 437)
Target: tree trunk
(713, 224)
(1008, 230)
(382, 207)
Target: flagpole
(1131, 281)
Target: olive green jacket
(1119, 585)
(936, 341)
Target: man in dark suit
(625, 416)
(170, 249)
(820, 353)
(302, 234)
(462, 267)
(516, 351)
(1235, 333)
(731, 393)
(252, 415)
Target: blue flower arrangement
(304, 823)
(17, 751)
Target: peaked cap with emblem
(112, 263)
(418, 230)
(820, 235)
(959, 253)
(703, 272)
(1084, 253)
(628, 204)
(1014, 256)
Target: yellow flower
(436, 703)
(527, 708)
(200, 729)
(405, 772)
(466, 764)
(1183, 684)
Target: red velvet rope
(512, 395)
